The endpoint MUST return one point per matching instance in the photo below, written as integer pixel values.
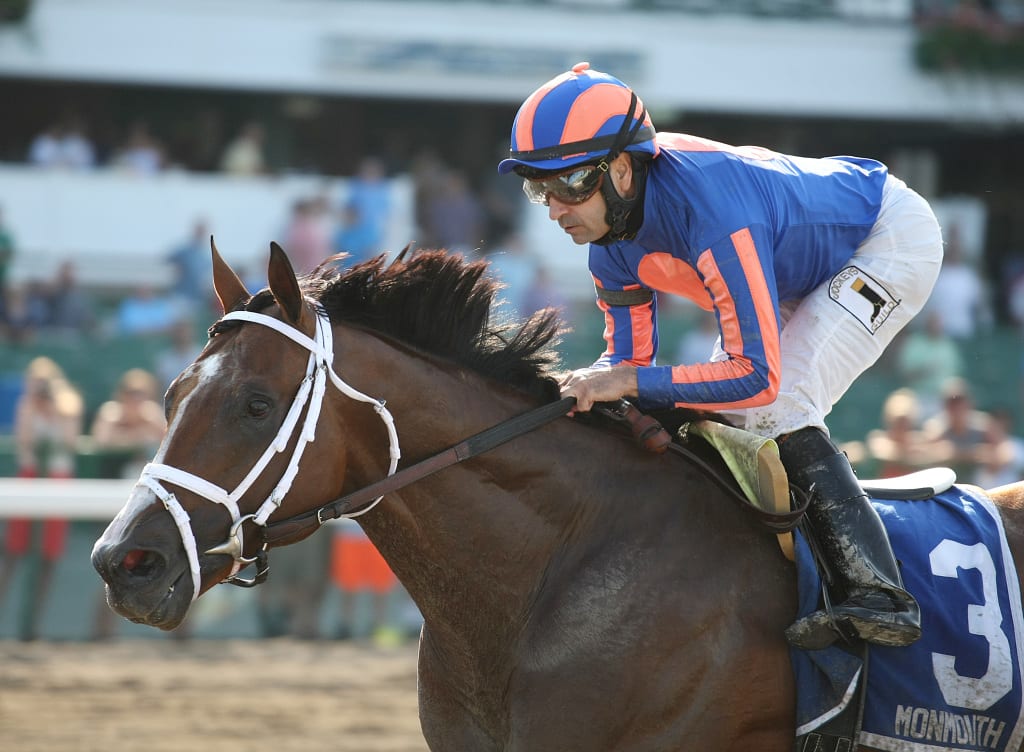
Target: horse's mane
(441, 303)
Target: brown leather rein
(645, 429)
(296, 528)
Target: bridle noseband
(310, 393)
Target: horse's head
(240, 420)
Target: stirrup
(851, 621)
(817, 631)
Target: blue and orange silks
(737, 230)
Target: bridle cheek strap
(311, 393)
(182, 521)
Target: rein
(653, 437)
(296, 528)
(648, 432)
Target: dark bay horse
(578, 593)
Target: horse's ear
(284, 285)
(229, 288)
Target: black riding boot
(855, 546)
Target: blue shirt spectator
(192, 265)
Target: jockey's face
(585, 222)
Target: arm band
(624, 297)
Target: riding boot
(855, 547)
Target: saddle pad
(959, 686)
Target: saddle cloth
(957, 688)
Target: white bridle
(311, 391)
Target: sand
(225, 695)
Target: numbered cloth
(959, 686)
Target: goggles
(573, 186)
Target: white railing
(74, 499)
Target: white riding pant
(840, 329)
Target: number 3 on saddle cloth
(959, 686)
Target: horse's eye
(258, 408)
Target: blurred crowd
(477, 214)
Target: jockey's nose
(556, 208)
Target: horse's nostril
(140, 563)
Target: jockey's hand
(590, 385)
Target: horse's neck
(470, 543)
(474, 539)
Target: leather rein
(293, 529)
(645, 429)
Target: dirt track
(234, 695)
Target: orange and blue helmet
(580, 116)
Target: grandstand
(333, 81)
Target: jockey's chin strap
(310, 393)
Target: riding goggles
(573, 186)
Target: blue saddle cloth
(957, 688)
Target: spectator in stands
(72, 308)
(503, 202)
(172, 360)
(142, 153)
(957, 435)
(289, 602)
(543, 292)
(356, 236)
(244, 154)
(64, 144)
(1015, 299)
(358, 568)
(454, 216)
(308, 235)
(428, 170)
(898, 447)
(132, 422)
(927, 359)
(146, 311)
(26, 311)
(44, 151)
(47, 424)
(193, 272)
(1002, 459)
(6, 258)
(960, 293)
(516, 267)
(369, 193)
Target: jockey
(810, 266)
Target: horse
(577, 592)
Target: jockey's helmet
(581, 116)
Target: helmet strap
(619, 211)
(627, 131)
(623, 215)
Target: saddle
(753, 463)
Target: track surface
(228, 695)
